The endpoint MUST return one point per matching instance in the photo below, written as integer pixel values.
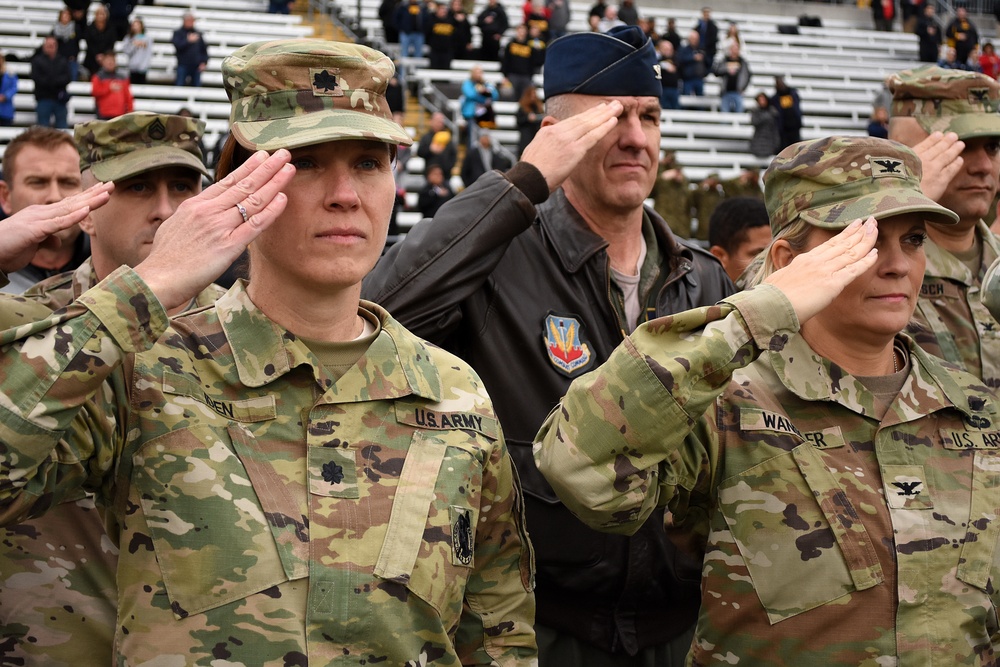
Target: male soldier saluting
(58, 598)
(950, 119)
(533, 277)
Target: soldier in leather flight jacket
(520, 275)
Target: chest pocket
(212, 539)
(801, 540)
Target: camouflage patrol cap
(299, 92)
(138, 142)
(947, 100)
(833, 181)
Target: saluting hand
(559, 146)
(34, 227)
(813, 279)
(208, 232)
(941, 158)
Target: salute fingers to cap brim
(813, 279)
(558, 148)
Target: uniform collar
(928, 387)
(397, 364)
(574, 243)
(942, 264)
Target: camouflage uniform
(58, 596)
(267, 513)
(672, 200)
(950, 321)
(829, 536)
(705, 198)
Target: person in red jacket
(112, 92)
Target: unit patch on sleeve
(564, 344)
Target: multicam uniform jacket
(950, 321)
(58, 598)
(266, 513)
(828, 537)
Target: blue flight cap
(619, 62)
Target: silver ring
(243, 211)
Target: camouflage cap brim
(316, 128)
(966, 126)
(881, 205)
(140, 161)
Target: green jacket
(267, 514)
(827, 537)
(950, 321)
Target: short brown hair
(44, 138)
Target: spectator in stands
(99, 37)
(929, 34)
(989, 61)
(492, 23)
(628, 13)
(478, 96)
(537, 42)
(950, 59)
(192, 52)
(78, 9)
(530, 112)
(8, 88)
(596, 13)
(671, 34)
(463, 31)
(483, 157)
(111, 91)
(395, 92)
(648, 26)
(41, 166)
(883, 14)
(386, 13)
(692, 65)
(961, 35)
(439, 35)
(559, 15)
(536, 15)
(745, 184)
(553, 250)
(64, 30)
(119, 12)
(51, 74)
(610, 20)
(520, 62)
(138, 48)
(436, 145)
(878, 124)
(734, 76)
(786, 101)
(672, 195)
(708, 32)
(280, 6)
(409, 18)
(670, 99)
(911, 13)
(704, 198)
(732, 37)
(766, 134)
(738, 231)
(435, 192)
(184, 112)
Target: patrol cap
(947, 100)
(298, 92)
(832, 181)
(621, 61)
(138, 142)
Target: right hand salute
(559, 146)
(33, 227)
(208, 232)
(813, 279)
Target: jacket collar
(574, 243)
(397, 364)
(928, 387)
(942, 264)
